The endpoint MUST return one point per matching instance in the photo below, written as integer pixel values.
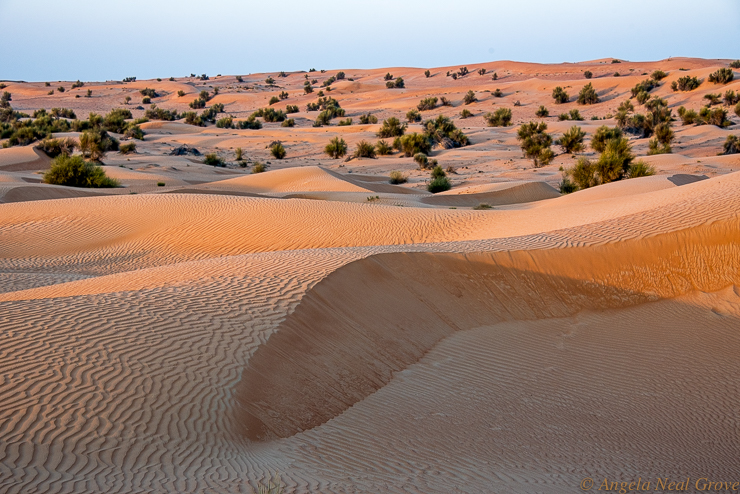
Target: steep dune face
(374, 317)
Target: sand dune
(201, 328)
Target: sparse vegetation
(149, 92)
(603, 135)
(572, 140)
(443, 131)
(573, 114)
(497, 94)
(661, 143)
(336, 148)
(559, 95)
(368, 119)
(94, 143)
(411, 144)
(57, 147)
(239, 154)
(73, 171)
(413, 116)
(587, 95)
(542, 112)
(225, 123)
(645, 86)
(127, 148)
(735, 64)
(345, 122)
(706, 116)
(391, 127)
(154, 113)
(291, 109)
(713, 99)
(278, 151)
(500, 118)
(388, 76)
(427, 104)
(212, 159)
(732, 145)
(259, 167)
(469, 97)
(364, 150)
(289, 122)
(422, 160)
(658, 75)
(397, 177)
(481, 71)
(731, 97)
(535, 143)
(465, 113)
(382, 148)
(274, 100)
(722, 76)
(685, 83)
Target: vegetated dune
(201, 335)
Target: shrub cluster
(397, 177)
(731, 98)
(706, 116)
(542, 112)
(615, 163)
(73, 171)
(722, 76)
(397, 84)
(588, 74)
(291, 109)
(154, 113)
(427, 104)
(573, 114)
(442, 130)
(149, 92)
(278, 151)
(382, 148)
(364, 150)
(368, 119)
(644, 87)
(685, 83)
(658, 75)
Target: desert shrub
(559, 95)
(463, 71)
(717, 116)
(439, 182)
(155, 113)
(269, 81)
(397, 84)
(41, 112)
(661, 143)
(731, 97)
(497, 94)
(382, 148)
(427, 74)
(239, 154)
(259, 167)
(466, 113)
(239, 78)
(51, 93)
(614, 162)
(388, 77)
(368, 119)
(735, 64)
(500, 118)
(603, 135)
(397, 177)
(129, 79)
(685, 83)
(640, 169)
(566, 186)
(364, 150)
(127, 100)
(5, 99)
(289, 122)
(443, 130)
(688, 117)
(413, 116)
(542, 112)
(469, 97)
(95, 143)
(588, 74)
(192, 118)
(60, 89)
(307, 88)
(481, 71)
(278, 151)
(212, 159)
(412, 144)
(225, 123)
(345, 122)
(198, 103)
(274, 100)
(127, 148)
(340, 76)
(737, 109)
(574, 114)
(204, 77)
(148, 92)
(133, 131)
(391, 127)
(645, 86)
(73, 171)
(89, 93)
(713, 99)
(658, 75)
(587, 95)
(328, 82)
(272, 115)
(422, 160)
(427, 104)
(584, 174)
(535, 143)
(336, 148)
(616, 61)
(572, 140)
(323, 118)
(57, 147)
(291, 109)
(722, 76)
(517, 103)
(642, 97)
(283, 95)
(732, 145)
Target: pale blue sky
(100, 39)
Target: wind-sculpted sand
(358, 336)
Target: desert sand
(357, 336)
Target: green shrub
(397, 177)
(588, 74)
(336, 148)
(685, 83)
(307, 89)
(422, 160)
(155, 113)
(289, 122)
(278, 151)
(391, 127)
(411, 144)
(444, 101)
(95, 143)
(731, 97)
(732, 145)
(146, 100)
(397, 84)
(658, 75)
(443, 131)
(535, 143)
(427, 74)
(500, 118)
(283, 95)
(688, 117)
(481, 71)
(462, 71)
(466, 113)
(340, 76)
(259, 167)
(574, 114)
(60, 89)
(497, 94)
(368, 119)
(439, 182)
(566, 186)
(160, 184)
(737, 109)
(56, 147)
(722, 76)
(148, 92)
(559, 95)
(89, 93)
(274, 100)
(735, 64)
(282, 74)
(192, 118)
(239, 154)
(614, 162)
(587, 95)
(73, 171)
(413, 116)
(133, 131)
(269, 81)
(717, 116)
(603, 135)
(364, 150)
(272, 115)
(225, 123)
(198, 103)
(382, 148)
(427, 104)
(640, 169)
(645, 86)
(713, 99)
(584, 174)
(345, 122)
(494, 77)
(572, 140)
(388, 77)
(212, 159)
(542, 112)
(642, 97)
(291, 109)
(470, 97)
(616, 61)
(323, 118)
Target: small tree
(572, 140)
(278, 151)
(535, 143)
(560, 96)
(587, 95)
(481, 71)
(336, 148)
